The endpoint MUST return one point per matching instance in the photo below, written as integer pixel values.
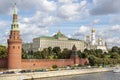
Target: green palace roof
(59, 34)
(47, 37)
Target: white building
(93, 44)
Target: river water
(92, 76)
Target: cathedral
(92, 43)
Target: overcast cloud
(103, 7)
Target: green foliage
(66, 54)
(39, 55)
(92, 60)
(96, 57)
(115, 49)
(3, 52)
(115, 55)
(56, 50)
(24, 54)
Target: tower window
(18, 47)
(13, 47)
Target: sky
(74, 18)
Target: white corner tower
(93, 42)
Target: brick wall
(47, 63)
(43, 63)
(3, 63)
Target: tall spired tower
(93, 36)
(14, 44)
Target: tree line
(48, 53)
(96, 57)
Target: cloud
(26, 5)
(95, 21)
(115, 28)
(115, 41)
(83, 30)
(103, 7)
(46, 5)
(70, 11)
(28, 32)
(2, 25)
(65, 1)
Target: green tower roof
(15, 25)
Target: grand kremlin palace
(57, 40)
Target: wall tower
(14, 44)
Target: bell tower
(14, 43)
(93, 42)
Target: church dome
(93, 30)
(99, 40)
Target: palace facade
(57, 40)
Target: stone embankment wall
(38, 75)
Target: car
(9, 72)
(1, 72)
(25, 71)
(39, 70)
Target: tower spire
(15, 25)
(15, 9)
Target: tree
(67, 53)
(98, 53)
(3, 52)
(115, 55)
(92, 60)
(24, 54)
(50, 50)
(38, 55)
(114, 49)
(56, 50)
(45, 53)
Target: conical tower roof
(74, 48)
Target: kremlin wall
(14, 60)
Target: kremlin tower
(14, 44)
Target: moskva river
(92, 76)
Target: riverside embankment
(34, 75)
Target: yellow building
(58, 40)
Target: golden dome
(87, 36)
(99, 40)
(59, 32)
(93, 30)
